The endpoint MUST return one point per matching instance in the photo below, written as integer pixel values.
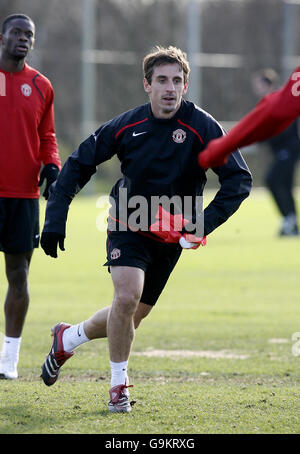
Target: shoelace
(117, 397)
(60, 357)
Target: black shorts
(19, 225)
(156, 259)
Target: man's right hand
(49, 242)
(213, 155)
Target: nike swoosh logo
(134, 134)
(78, 332)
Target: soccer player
(27, 140)
(157, 144)
(272, 115)
(285, 150)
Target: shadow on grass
(16, 419)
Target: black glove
(50, 173)
(49, 242)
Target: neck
(12, 66)
(162, 114)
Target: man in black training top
(158, 145)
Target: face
(18, 39)
(166, 89)
(260, 87)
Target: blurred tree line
(251, 29)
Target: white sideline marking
(189, 353)
(278, 341)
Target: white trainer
(8, 369)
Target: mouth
(21, 48)
(169, 98)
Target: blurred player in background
(158, 145)
(285, 148)
(272, 115)
(27, 139)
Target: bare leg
(141, 312)
(96, 326)
(128, 284)
(117, 322)
(17, 297)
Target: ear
(185, 89)
(147, 86)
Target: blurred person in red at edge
(273, 114)
(285, 148)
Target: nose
(23, 37)
(170, 86)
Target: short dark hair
(162, 55)
(8, 19)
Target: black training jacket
(158, 157)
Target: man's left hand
(189, 241)
(50, 241)
(49, 173)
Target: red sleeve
(48, 143)
(273, 114)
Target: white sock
(73, 337)
(11, 348)
(119, 373)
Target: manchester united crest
(115, 254)
(26, 90)
(179, 136)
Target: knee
(127, 301)
(17, 279)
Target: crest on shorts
(26, 90)
(179, 135)
(115, 254)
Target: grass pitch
(215, 356)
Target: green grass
(237, 299)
